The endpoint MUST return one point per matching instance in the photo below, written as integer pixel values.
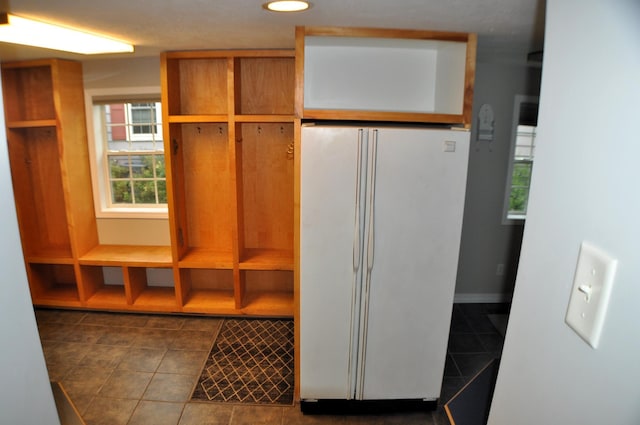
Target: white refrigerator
(381, 215)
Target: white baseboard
(468, 298)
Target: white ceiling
(504, 27)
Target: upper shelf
(388, 75)
(216, 86)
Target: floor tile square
(59, 316)
(193, 340)
(170, 387)
(109, 411)
(142, 359)
(104, 356)
(254, 415)
(465, 343)
(183, 362)
(156, 413)
(126, 384)
(165, 322)
(116, 320)
(96, 375)
(55, 331)
(69, 353)
(292, 415)
(206, 414)
(118, 336)
(155, 338)
(89, 334)
(208, 324)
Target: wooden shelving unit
(46, 136)
(48, 151)
(230, 179)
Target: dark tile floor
(140, 369)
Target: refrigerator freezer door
(328, 271)
(419, 202)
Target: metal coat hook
(290, 150)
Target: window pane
(518, 200)
(145, 192)
(162, 192)
(521, 174)
(160, 169)
(121, 192)
(118, 167)
(142, 166)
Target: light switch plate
(590, 294)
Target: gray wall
(25, 393)
(585, 187)
(486, 242)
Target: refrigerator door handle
(353, 328)
(356, 239)
(371, 203)
(371, 190)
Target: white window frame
(507, 218)
(100, 170)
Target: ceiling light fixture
(17, 30)
(287, 6)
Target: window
(521, 158)
(128, 163)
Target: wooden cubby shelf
(267, 259)
(53, 285)
(231, 126)
(128, 255)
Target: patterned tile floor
(140, 369)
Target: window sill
(146, 213)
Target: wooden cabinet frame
(340, 34)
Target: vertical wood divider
(235, 168)
(135, 280)
(297, 138)
(169, 76)
(469, 81)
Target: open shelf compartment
(53, 285)
(207, 291)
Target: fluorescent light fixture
(287, 6)
(14, 29)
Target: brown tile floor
(131, 369)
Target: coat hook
(219, 130)
(198, 129)
(290, 150)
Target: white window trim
(507, 218)
(96, 151)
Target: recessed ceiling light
(14, 29)
(287, 6)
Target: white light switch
(590, 293)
